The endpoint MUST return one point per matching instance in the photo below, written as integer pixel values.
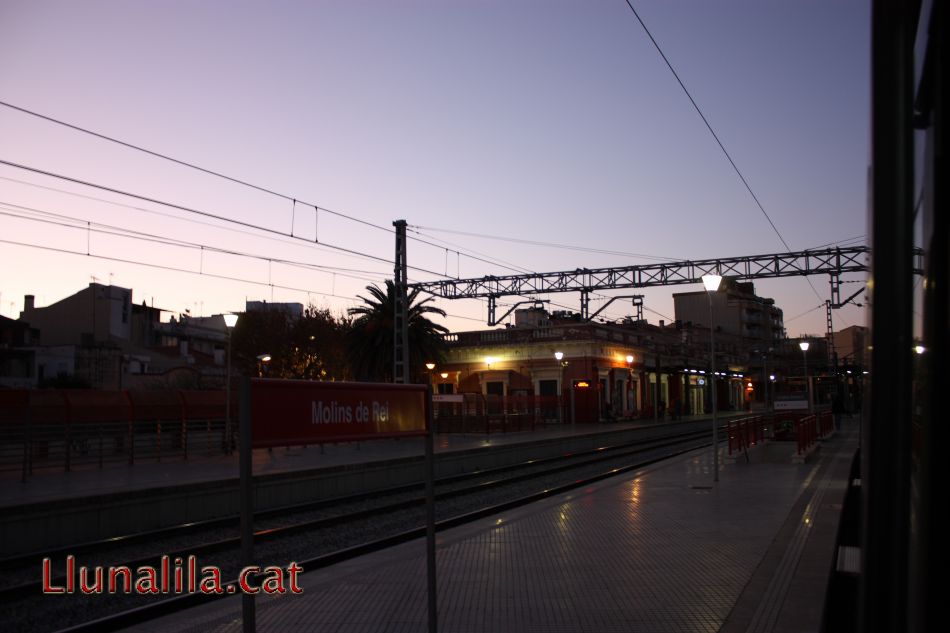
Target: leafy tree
(257, 333)
(311, 347)
(369, 343)
(318, 349)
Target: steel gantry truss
(833, 261)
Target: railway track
(314, 534)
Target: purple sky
(549, 121)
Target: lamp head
(712, 282)
(804, 345)
(430, 366)
(230, 320)
(558, 355)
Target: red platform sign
(294, 412)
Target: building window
(547, 387)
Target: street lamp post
(629, 360)
(770, 390)
(230, 320)
(711, 282)
(559, 357)
(261, 361)
(804, 345)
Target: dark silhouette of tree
(318, 346)
(311, 347)
(370, 340)
(261, 332)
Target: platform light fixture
(262, 360)
(559, 357)
(230, 320)
(712, 282)
(805, 345)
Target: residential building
(736, 309)
(99, 336)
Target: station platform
(663, 549)
(90, 481)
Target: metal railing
(71, 429)
(748, 432)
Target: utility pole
(401, 309)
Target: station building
(607, 370)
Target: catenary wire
(190, 165)
(716, 137)
(283, 239)
(280, 239)
(133, 262)
(708, 126)
(205, 170)
(515, 240)
(117, 231)
(458, 249)
(205, 214)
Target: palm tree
(370, 339)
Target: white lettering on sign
(380, 412)
(334, 413)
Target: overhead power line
(184, 163)
(708, 126)
(809, 311)
(572, 247)
(123, 260)
(280, 239)
(118, 231)
(207, 214)
(295, 200)
(716, 136)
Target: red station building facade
(599, 371)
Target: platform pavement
(86, 481)
(661, 550)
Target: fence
(749, 432)
(811, 428)
(477, 413)
(807, 429)
(53, 429)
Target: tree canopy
(370, 341)
(311, 347)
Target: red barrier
(746, 433)
(807, 431)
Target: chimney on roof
(662, 322)
(28, 302)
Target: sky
(548, 121)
